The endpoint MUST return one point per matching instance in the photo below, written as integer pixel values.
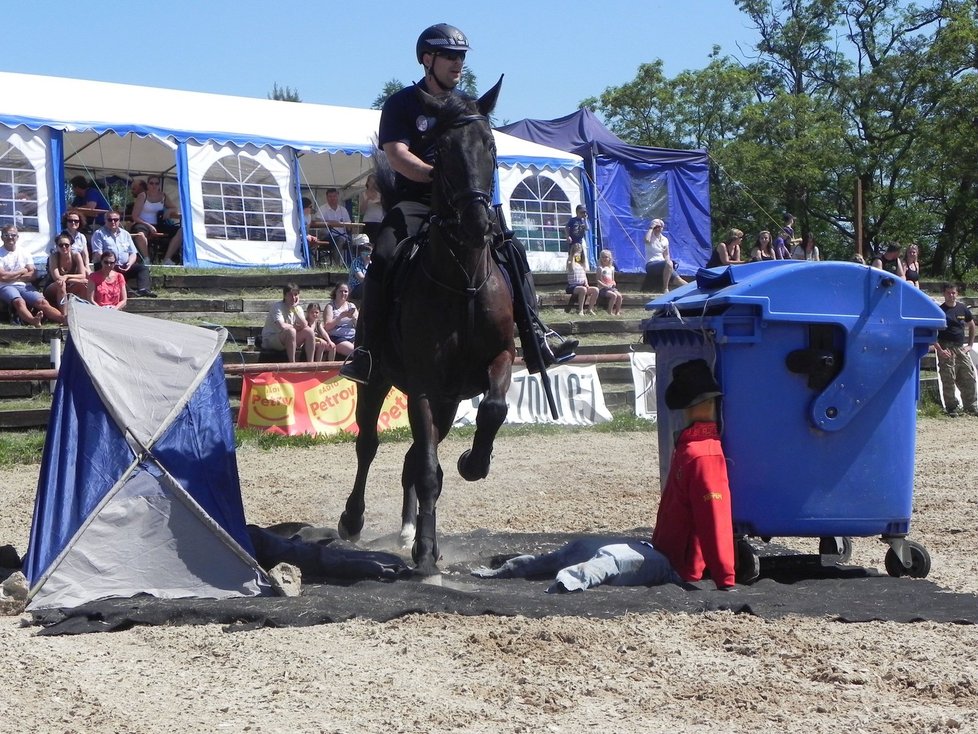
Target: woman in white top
(577, 285)
(806, 249)
(74, 222)
(658, 264)
(371, 208)
(151, 216)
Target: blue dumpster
(819, 364)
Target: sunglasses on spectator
(74, 221)
(113, 219)
(64, 244)
(11, 236)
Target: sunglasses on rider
(452, 55)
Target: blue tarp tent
(630, 185)
(138, 491)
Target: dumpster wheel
(747, 564)
(835, 550)
(906, 558)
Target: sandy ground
(714, 672)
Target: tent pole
(87, 145)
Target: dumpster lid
(795, 289)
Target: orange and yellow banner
(293, 403)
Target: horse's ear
(487, 102)
(429, 101)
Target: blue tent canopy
(630, 185)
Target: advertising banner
(294, 403)
(577, 393)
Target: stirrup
(353, 366)
(564, 351)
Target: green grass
(622, 421)
(22, 447)
(35, 402)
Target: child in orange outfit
(693, 528)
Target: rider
(441, 50)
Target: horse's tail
(385, 178)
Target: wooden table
(320, 224)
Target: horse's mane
(452, 107)
(385, 178)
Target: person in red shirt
(693, 528)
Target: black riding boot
(373, 315)
(539, 354)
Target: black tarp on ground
(796, 586)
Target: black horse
(453, 330)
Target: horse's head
(465, 160)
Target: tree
(391, 86)
(882, 92)
(284, 94)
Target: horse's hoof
(346, 532)
(468, 473)
(425, 560)
(407, 535)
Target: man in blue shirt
(113, 238)
(89, 199)
(441, 51)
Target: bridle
(458, 201)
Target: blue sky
(553, 53)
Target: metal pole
(55, 359)
(249, 369)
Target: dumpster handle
(870, 359)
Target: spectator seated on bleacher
(153, 217)
(67, 273)
(107, 287)
(340, 320)
(286, 329)
(325, 349)
(577, 285)
(113, 238)
(17, 274)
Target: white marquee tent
(240, 165)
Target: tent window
(540, 210)
(242, 201)
(18, 189)
(650, 196)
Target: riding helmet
(441, 37)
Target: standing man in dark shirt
(954, 363)
(441, 51)
(577, 228)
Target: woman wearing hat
(658, 264)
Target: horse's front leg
(425, 425)
(473, 464)
(370, 399)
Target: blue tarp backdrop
(630, 185)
